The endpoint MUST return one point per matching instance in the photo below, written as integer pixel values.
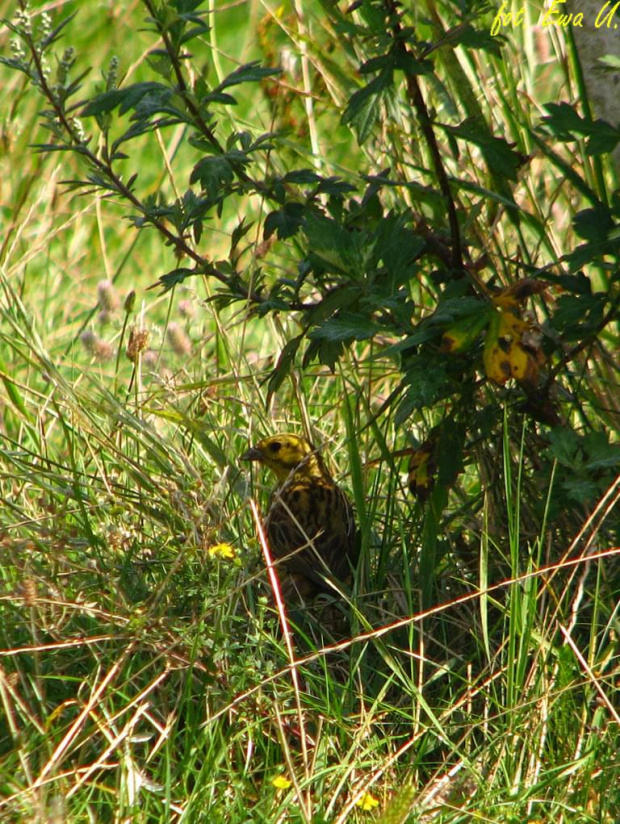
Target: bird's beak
(253, 454)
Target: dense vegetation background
(382, 227)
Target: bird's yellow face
(284, 453)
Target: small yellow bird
(310, 523)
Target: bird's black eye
(275, 446)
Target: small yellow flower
(280, 782)
(367, 802)
(221, 551)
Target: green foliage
(369, 218)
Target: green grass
(144, 677)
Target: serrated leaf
(173, 278)
(564, 445)
(564, 122)
(363, 109)
(283, 366)
(398, 246)
(301, 176)
(498, 155)
(212, 173)
(337, 247)
(426, 384)
(334, 186)
(600, 454)
(466, 35)
(580, 488)
(126, 98)
(334, 300)
(593, 224)
(603, 138)
(345, 327)
(285, 222)
(249, 72)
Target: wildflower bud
(89, 339)
(78, 130)
(103, 350)
(130, 301)
(29, 591)
(17, 50)
(181, 344)
(138, 340)
(45, 25)
(107, 298)
(23, 20)
(186, 309)
(150, 358)
(111, 76)
(66, 61)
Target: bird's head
(285, 453)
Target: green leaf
(345, 327)
(564, 447)
(338, 248)
(578, 315)
(363, 109)
(127, 98)
(301, 176)
(249, 72)
(580, 489)
(285, 222)
(283, 366)
(327, 352)
(426, 384)
(600, 454)
(212, 173)
(339, 298)
(564, 122)
(172, 278)
(593, 224)
(398, 246)
(499, 156)
(466, 35)
(603, 139)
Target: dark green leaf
(603, 138)
(345, 327)
(283, 366)
(593, 224)
(285, 221)
(600, 454)
(326, 351)
(212, 173)
(301, 176)
(580, 488)
(246, 73)
(334, 300)
(499, 156)
(363, 109)
(127, 98)
(426, 384)
(578, 315)
(405, 62)
(172, 278)
(564, 122)
(466, 35)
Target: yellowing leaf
(462, 335)
(421, 475)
